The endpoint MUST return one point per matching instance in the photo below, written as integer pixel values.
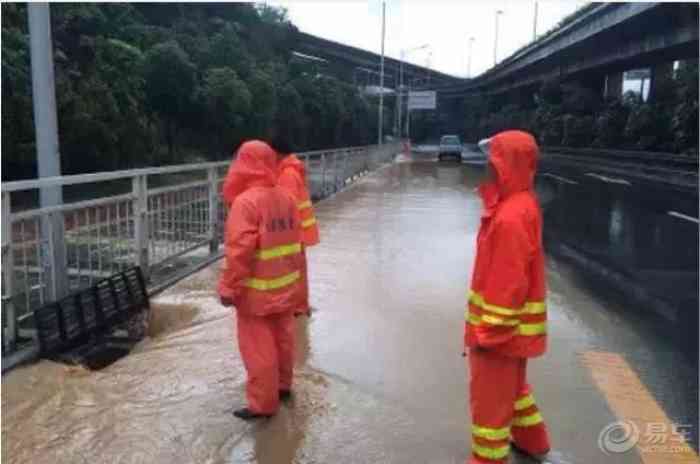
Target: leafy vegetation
(159, 83)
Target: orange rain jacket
(292, 177)
(262, 270)
(506, 311)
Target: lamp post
(399, 98)
(534, 25)
(495, 41)
(47, 147)
(469, 57)
(381, 80)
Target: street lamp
(381, 81)
(469, 57)
(534, 25)
(399, 99)
(495, 42)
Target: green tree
(169, 85)
(228, 101)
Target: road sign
(424, 100)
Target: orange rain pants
(267, 348)
(503, 408)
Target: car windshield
(450, 140)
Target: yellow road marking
(631, 401)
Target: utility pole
(47, 150)
(381, 80)
(495, 41)
(400, 95)
(404, 52)
(534, 25)
(469, 57)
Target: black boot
(535, 457)
(285, 395)
(247, 414)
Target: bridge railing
(168, 220)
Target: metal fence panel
(168, 229)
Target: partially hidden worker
(292, 178)
(506, 315)
(261, 275)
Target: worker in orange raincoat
(261, 275)
(292, 177)
(506, 316)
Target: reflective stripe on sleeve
(531, 307)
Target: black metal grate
(87, 315)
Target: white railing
(167, 220)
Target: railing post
(323, 175)
(53, 256)
(213, 210)
(8, 275)
(335, 171)
(140, 190)
(344, 176)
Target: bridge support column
(660, 73)
(613, 85)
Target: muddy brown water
(380, 377)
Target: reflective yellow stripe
(308, 222)
(528, 421)
(491, 453)
(278, 252)
(531, 307)
(535, 307)
(495, 320)
(524, 402)
(304, 205)
(523, 329)
(272, 284)
(491, 434)
(532, 329)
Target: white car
(450, 147)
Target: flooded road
(380, 377)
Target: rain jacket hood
(255, 165)
(513, 154)
(292, 162)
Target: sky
(445, 25)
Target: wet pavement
(380, 377)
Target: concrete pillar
(613, 85)
(659, 73)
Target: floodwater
(380, 375)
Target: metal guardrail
(169, 229)
(687, 161)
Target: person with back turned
(261, 275)
(506, 316)
(292, 178)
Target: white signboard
(424, 100)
